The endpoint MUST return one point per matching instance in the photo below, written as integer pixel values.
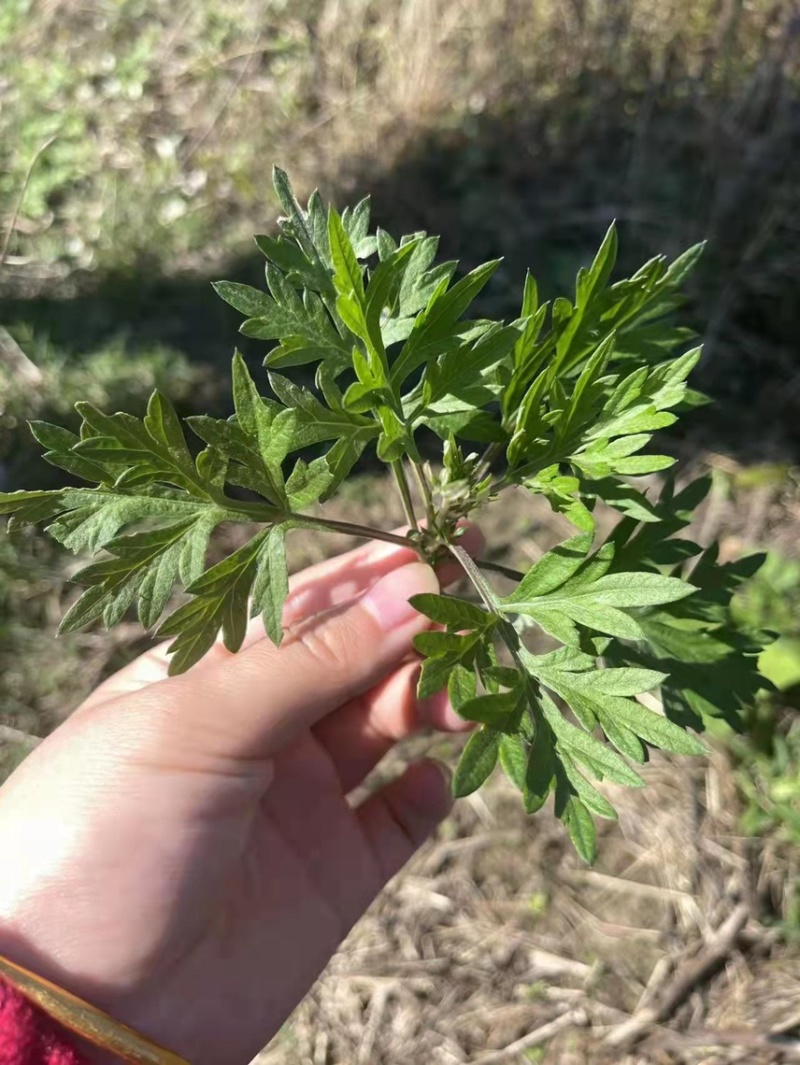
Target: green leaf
(623, 497)
(156, 447)
(478, 760)
(219, 601)
(621, 681)
(561, 590)
(314, 423)
(435, 674)
(16, 502)
(162, 423)
(552, 569)
(307, 228)
(144, 567)
(626, 742)
(246, 398)
(347, 275)
(589, 691)
(462, 365)
(91, 517)
(59, 444)
(436, 644)
(586, 749)
(249, 301)
(597, 276)
(497, 710)
(514, 759)
(246, 463)
(581, 828)
(650, 726)
(308, 482)
(384, 287)
(303, 326)
(680, 269)
(271, 583)
(589, 795)
(540, 769)
(603, 458)
(211, 466)
(448, 610)
(462, 685)
(639, 589)
(561, 493)
(293, 261)
(438, 324)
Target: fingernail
(434, 790)
(445, 771)
(437, 710)
(388, 601)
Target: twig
(405, 493)
(15, 735)
(256, 512)
(36, 156)
(749, 1038)
(686, 979)
(226, 100)
(377, 1010)
(18, 363)
(425, 489)
(635, 887)
(86, 1020)
(474, 574)
(576, 1018)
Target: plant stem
(263, 512)
(405, 493)
(427, 495)
(505, 630)
(486, 460)
(350, 528)
(18, 207)
(470, 568)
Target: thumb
(255, 702)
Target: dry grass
(496, 945)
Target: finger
(341, 579)
(398, 818)
(312, 590)
(338, 580)
(359, 734)
(251, 704)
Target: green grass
(136, 95)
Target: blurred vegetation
(113, 378)
(511, 127)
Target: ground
(514, 129)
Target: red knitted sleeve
(28, 1036)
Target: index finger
(313, 590)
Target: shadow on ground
(671, 164)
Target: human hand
(181, 852)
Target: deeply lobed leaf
(564, 400)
